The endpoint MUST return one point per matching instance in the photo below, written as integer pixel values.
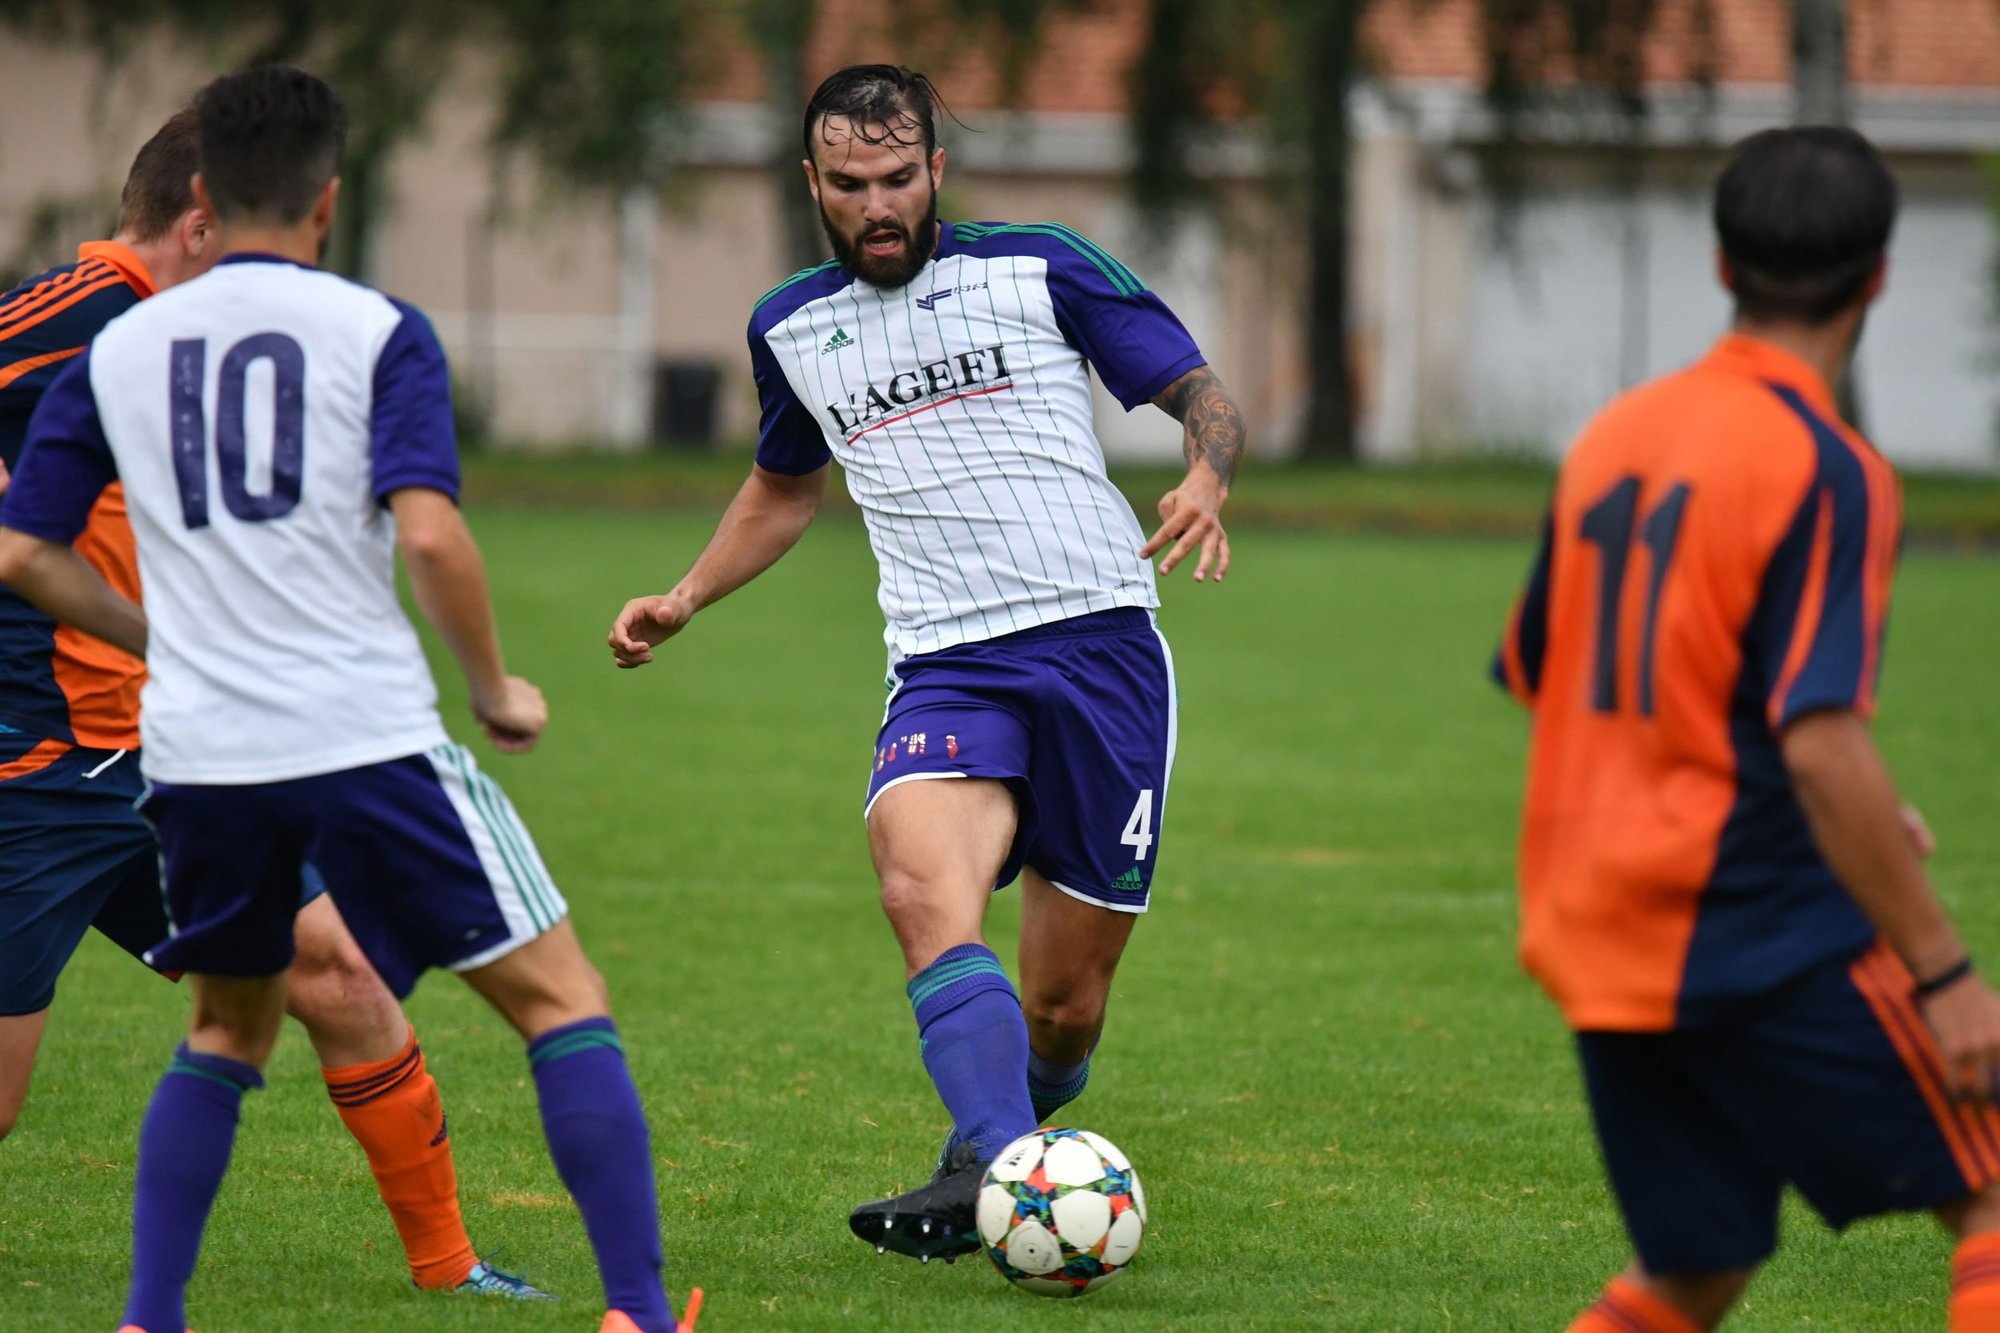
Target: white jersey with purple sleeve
(260, 416)
(959, 406)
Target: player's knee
(331, 977)
(906, 895)
(1064, 1017)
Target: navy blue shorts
(1832, 1085)
(72, 855)
(1076, 717)
(424, 856)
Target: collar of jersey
(259, 257)
(129, 265)
(1740, 354)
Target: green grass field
(1350, 1109)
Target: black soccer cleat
(935, 1221)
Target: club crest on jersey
(982, 370)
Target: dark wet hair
(159, 188)
(1804, 216)
(894, 97)
(271, 138)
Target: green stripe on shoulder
(1122, 279)
(796, 278)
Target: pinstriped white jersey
(959, 407)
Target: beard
(891, 270)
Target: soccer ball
(1061, 1212)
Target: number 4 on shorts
(1139, 828)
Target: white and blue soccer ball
(1061, 1212)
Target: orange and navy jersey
(54, 682)
(1716, 564)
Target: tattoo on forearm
(1213, 425)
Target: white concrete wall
(1582, 306)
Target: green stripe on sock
(574, 1042)
(931, 982)
(179, 1066)
(923, 988)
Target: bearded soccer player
(74, 853)
(282, 435)
(1719, 885)
(946, 365)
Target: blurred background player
(73, 851)
(1719, 885)
(290, 718)
(947, 366)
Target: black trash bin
(684, 402)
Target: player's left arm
(63, 469)
(1212, 439)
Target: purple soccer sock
(184, 1146)
(975, 1045)
(598, 1138)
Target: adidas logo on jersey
(836, 342)
(981, 370)
(1130, 882)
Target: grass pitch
(1349, 1108)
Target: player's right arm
(1818, 642)
(1865, 833)
(766, 519)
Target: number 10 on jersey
(188, 376)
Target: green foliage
(1349, 1108)
(593, 89)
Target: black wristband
(1957, 972)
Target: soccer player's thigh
(946, 804)
(430, 866)
(1697, 1189)
(1847, 1086)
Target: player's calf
(20, 1040)
(591, 1114)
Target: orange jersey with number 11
(1717, 563)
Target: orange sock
(1975, 1285)
(393, 1109)
(1626, 1307)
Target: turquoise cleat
(486, 1280)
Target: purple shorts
(1076, 717)
(424, 856)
